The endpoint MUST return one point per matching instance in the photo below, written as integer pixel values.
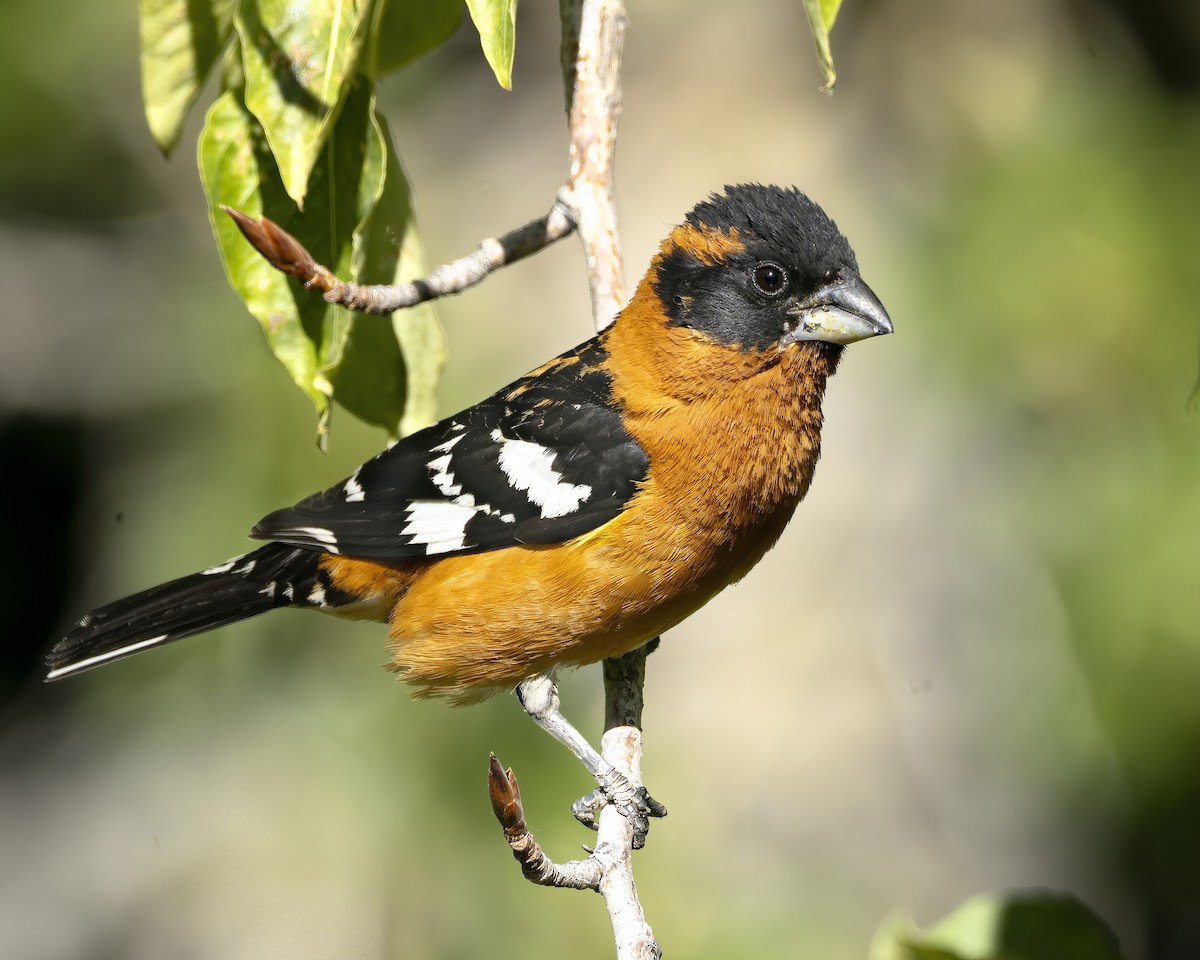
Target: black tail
(276, 575)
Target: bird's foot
(633, 803)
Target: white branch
(595, 31)
(622, 747)
(609, 868)
(593, 37)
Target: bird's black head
(762, 266)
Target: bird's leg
(539, 698)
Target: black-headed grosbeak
(582, 510)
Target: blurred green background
(991, 683)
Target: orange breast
(732, 442)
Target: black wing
(544, 460)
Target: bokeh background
(990, 682)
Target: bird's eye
(770, 279)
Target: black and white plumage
(543, 460)
(277, 575)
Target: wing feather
(545, 459)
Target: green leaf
(180, 40)
(821, 17)
(405, 30)
(328, 351)
(234, 163)
(496, 21)
(389, 370)
(1026, 925)
(299, 60)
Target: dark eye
(770, 279)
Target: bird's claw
(633, 803)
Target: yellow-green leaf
(404, 30)
(821, 16)
(180, 41)
(299, 60)
(234, 162)
(389, 370)
(328, 351)
(496, 21)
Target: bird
(585, 508)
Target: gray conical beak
(842, 311)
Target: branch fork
(608, 869)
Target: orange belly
(732, 449)
(602, 595)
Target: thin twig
(593, 37)
(284, 252)
(535, 865)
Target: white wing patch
(529, 468)
(439, 525)
(321, 535)
(439, 468)
(353, 489)
(222, 567)
(228, 565)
